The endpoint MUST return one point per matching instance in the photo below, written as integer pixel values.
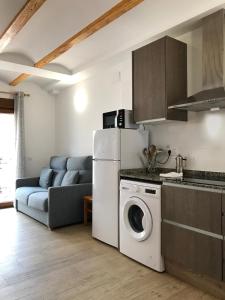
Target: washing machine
(140, 223)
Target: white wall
(201, 139)
(39, 126)
(79, 108)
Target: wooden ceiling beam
(115, 12)
(19, 21)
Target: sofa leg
(50, 229)
(15, 205)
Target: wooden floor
(36, 263)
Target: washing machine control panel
(150, 191)
(131, 188)
(136, 187)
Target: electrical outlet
(116, 77)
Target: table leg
(85, 213)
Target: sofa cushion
(45, 180)
(58, 162)
(79, 163)
(39, 201)
(71, 177)
(23, 193)
(57, 177)
(85, 176)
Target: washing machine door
(137, 218)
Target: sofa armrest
(66, 204)
(32, 181)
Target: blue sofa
(57, 205)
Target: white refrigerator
(113, 149)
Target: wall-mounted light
(80, 99)
(214, 125)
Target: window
(6, 106)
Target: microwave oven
(121, 118)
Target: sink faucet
(180, 163)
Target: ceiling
(58, 20)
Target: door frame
(6, 107)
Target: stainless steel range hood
(213, 99)
(212, 96)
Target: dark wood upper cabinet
(159, 80)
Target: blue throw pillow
(85, 176)
(57, 177)
(45, 180)
(71, 177)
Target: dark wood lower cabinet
(203, 282)
(192, 207)
(224, 260)
(194, 251)
(223, 214)
(223, 231)
(193, 256)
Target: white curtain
(19, 134)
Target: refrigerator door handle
(97, 159)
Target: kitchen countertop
(202, 179)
